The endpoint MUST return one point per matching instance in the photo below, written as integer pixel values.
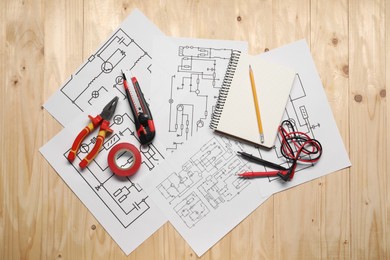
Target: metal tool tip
(123, 74)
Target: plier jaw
(109, 109)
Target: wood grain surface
(345, 215)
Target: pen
(266, 163)
(259, 123)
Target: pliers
(103, 121)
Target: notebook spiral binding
(223, 92)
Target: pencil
(259, 124)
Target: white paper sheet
(196, 187)
(119, 203)
(198, 190)
(186, 79)
(99, 78)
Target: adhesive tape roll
(118, 151)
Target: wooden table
(343, 215)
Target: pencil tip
(261, 138)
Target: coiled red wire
(297, 146)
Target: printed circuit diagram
(99, 76)
(194, 90)
(206, 181)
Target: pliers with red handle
(103, 121)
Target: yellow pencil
(259, 124)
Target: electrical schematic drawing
(96, 82)
(124, 198)
(100, 78)
(97, 78)
(194, 90)
(206, 181)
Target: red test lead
(258, 174)
(283, 174)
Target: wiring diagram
(193, 91)
(205, 181)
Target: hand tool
(285, 175)
(295, 147)
(142, 116)
(103, 121)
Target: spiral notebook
(235, 112)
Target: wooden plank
(253, 237)
(102, 19)
(367, 130)
(24, 55)
(296, 210)
(383, 94)
(66, 223)
(329, 45)
(3, 167)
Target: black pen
(258, 160)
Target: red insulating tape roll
(118, 150)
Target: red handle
(259, 174)
(79, 139)
(104, 128)
(95, 150)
